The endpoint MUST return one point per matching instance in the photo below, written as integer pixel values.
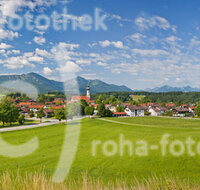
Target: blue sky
(146, 43)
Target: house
(110, 107)
(134, 111)
(24, 111)
(25, 104)
(157, 111)
(119, 114)
(61, 100)
(48, 113)
(192, 109)
(143, 105)
(35, 108)
(180, 112)
(58, 107)
(153, 104)
(184, 106)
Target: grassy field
(137, 97)
(116, 167)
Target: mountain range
(167, 88)
(79, 84)
(45, 85)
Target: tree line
(163, 97)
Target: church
(87, 98)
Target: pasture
(140, 162)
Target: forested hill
(162, 97)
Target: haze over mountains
(45, 85)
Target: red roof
(13, 100)
(126, 104)
(150, 104)
(58, 107)
(25, 103)
(58, 99)
(36, 106)
(192, 107)
(143, 105)
(169, 105)
(120, 113)
(76, 98)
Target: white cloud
(10, 7)
(117, 44)
(69, 67)
(137, 37)
(36, 59)
(6, 34)
(150, 52)
(5, 46)
(102, 64)
(39, 40)
(16, 52)
(47, 71)
(16, 62)
(83, 62)
(172, 40)
(155, 21)
(43, 53)
(68, 46)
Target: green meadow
(119, 166)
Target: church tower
(88, 91)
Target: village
(30, 108)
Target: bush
(21, 119)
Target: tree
(31, 114)
(108, 113)
(60, 114)
(58, 103)
(120, 109)
(40, 114)
(41, 98)
(89, 110)
(12, 114)
(103, 112)
(8, 112)
(197, 110)
(170, 113)
(146, 113)
(21, 119)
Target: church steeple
(88, 91)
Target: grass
(27, 122)
(137, 97)
(41, 181)
(124, 168)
